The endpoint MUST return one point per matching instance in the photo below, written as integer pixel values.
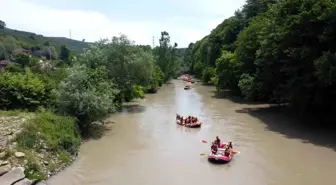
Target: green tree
(2, 24)
(87, 94)
(23, 90)
(22, 58)
(166, 56)
(3, 52)
(65, 53)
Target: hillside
(27, 39)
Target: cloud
(93, 25)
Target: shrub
(208, 75)
(87, 94)
(248, 86)
(22, 90)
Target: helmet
(230, 141)
(216, 137)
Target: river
(144, 146)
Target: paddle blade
(202, 154)
(203, 141)
(201, 123)
(235, 152)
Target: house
(5, 63)
(39, 54)
(20, 50)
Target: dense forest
(280, 51)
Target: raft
(179, 122)
(219, 157)
(194, 125)
(222, 145)
(187, 87)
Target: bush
(198, 69)
(248, 86)
(23, 90)
(87, 94)
(208, 75)
(22, 58)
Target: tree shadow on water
(234, 97)
(133, 109)
(278, 120)
(96, 131)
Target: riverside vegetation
(49, 103)
(279, 51)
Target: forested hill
(26, 39)
(274, 50)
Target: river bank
(41, 143)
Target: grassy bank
(48, 142)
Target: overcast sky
(186, 20)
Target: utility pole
(153, 44)
(70, 34)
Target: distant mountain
(29, 39)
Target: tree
(47, 43)
(87, 94)
(166, 56)
(2, 24)
(65, 53)
(3, 52)
(22, 58)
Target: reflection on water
(145, 146)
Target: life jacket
(214, 149)
(227, 152)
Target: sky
(186, 20)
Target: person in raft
(227, 151)
(214, 148)
(217, 141)
(178, 116)
(230, 144)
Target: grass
(12, 112)
(33, 170)
(58, 133)
(55, 135)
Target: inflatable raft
(187, 87)
(222, 145)
(179, 122)
(194, 125)
(220, 157)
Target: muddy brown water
(144, 146)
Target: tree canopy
(279, 51)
